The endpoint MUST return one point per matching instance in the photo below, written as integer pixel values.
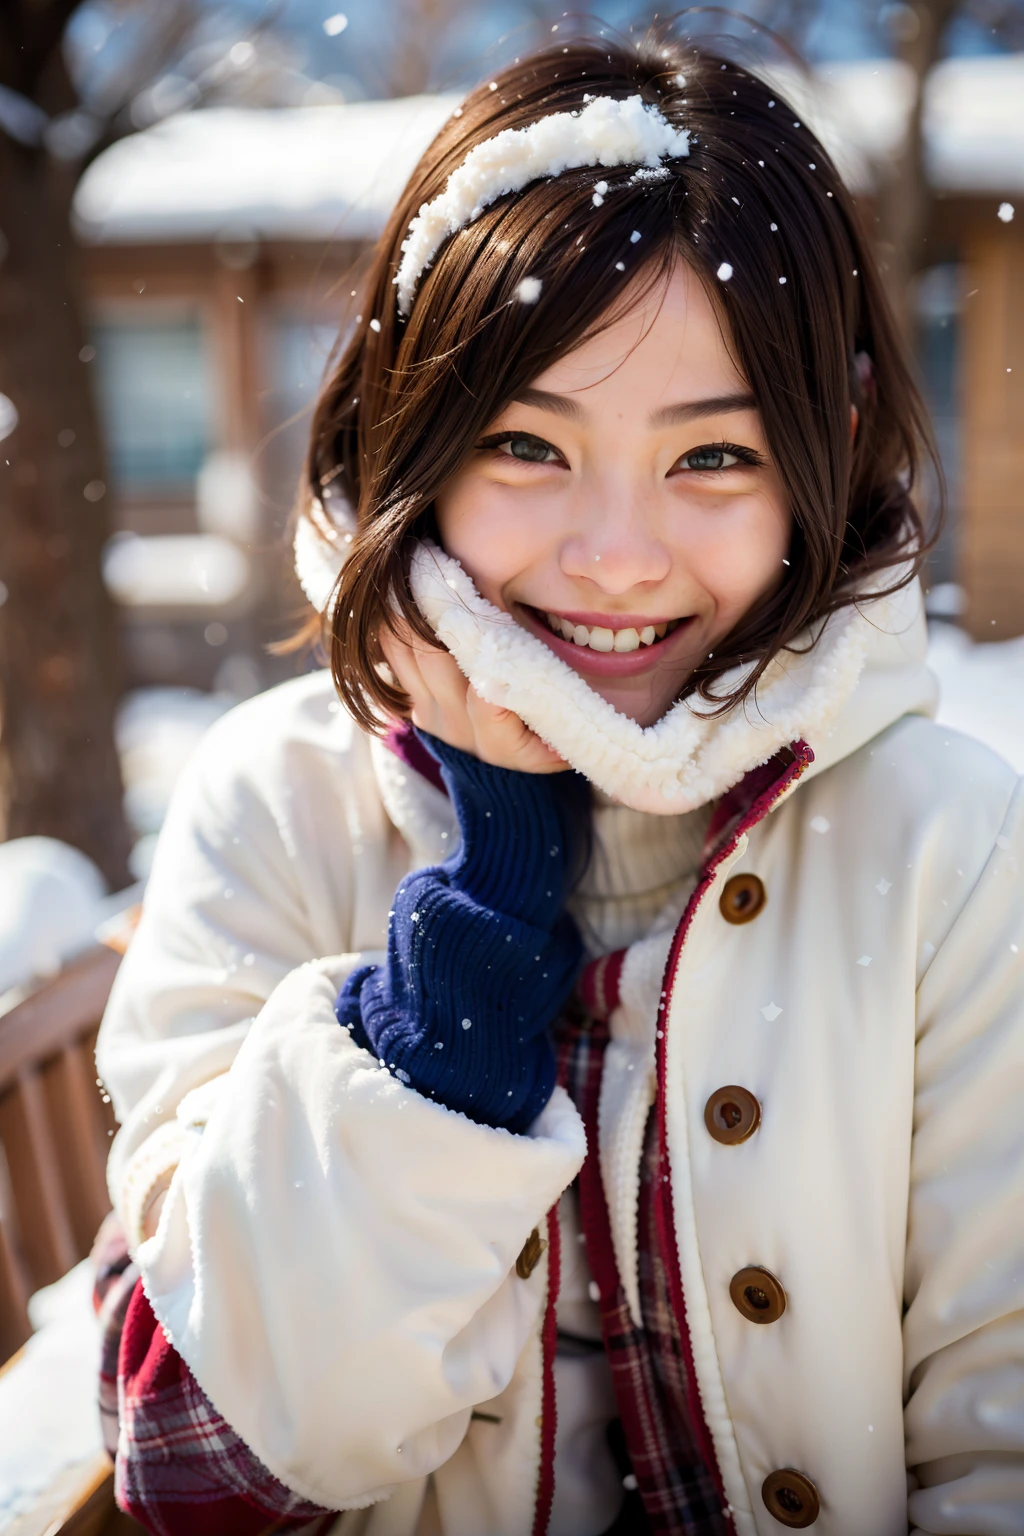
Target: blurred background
(187, 190)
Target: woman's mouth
(604, 639)
(612, 649)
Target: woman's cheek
(491, 530)
(739, 558)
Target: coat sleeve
(335, 1258)
(964, 1324)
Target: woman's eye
(531, 450)
(710, 458)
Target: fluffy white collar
(689, 757)
(866, 669)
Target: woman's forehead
(665, 347)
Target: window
(938, 305)
(155, 397)
(297, 350)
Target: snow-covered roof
(973, 120)
(318, 172)
(287, 173)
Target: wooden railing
(55, 1130)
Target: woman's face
(624, 509)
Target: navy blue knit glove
(481, 954)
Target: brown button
(731, 1115)
(529, 1258)
(791, 1498)
(742, 898)
(757, 1294)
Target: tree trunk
(904, 201)
(59, 660)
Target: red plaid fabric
(180, 1469)
(650, 1365)
(116, 1279)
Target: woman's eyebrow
(665, 416)
(544, 401)
(690, 410)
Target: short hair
(408, 399)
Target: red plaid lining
(679, 1490)
(181, 1470)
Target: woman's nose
(615, 548)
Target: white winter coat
(335, 1257)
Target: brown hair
(409, 398)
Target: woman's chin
(643, 699)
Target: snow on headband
(606, 132)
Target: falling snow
(820, 824)
(528, 291)
(884, 886)
(724, 272)
(771, 1012)
(1005, 212)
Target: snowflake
(771, 1012)
(884, 886)
(820, 824)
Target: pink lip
(607, 663)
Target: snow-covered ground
(982, 689)
(157, 731)
(48, 1418)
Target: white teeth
(603, 638)
(626, 640)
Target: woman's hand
(444, 703)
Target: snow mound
(51, 899)
(982, 689)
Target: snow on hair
(606, 132)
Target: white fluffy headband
(606, 132)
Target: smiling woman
(604, 345)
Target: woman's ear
(854, 419)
